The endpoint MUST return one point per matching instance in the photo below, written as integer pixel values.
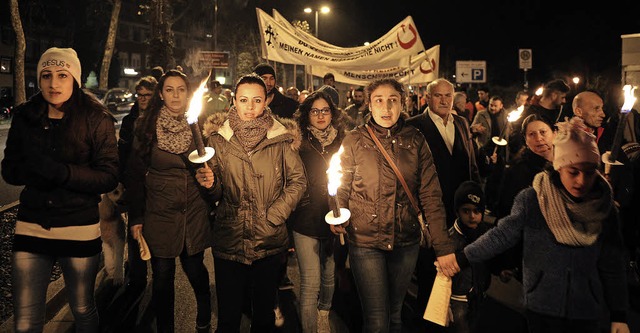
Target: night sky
(567, 38)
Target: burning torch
(202, 154)
(511, 117)
(337, 215)
(611, 157)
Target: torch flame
(539, 91)
(334, 172)
(195, 105)
(629, 98)
(515, 114)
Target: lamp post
(323, 10)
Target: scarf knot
(250, 132)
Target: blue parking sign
(477, 74)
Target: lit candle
(611, 156)
(202, 153)
(337, 215)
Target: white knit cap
(574, 144)
(62, 58)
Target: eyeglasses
(144, 95)
(316, 112)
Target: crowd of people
(560, 211)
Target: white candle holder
(194, 157)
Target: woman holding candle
(322, 130)
(167, 205)
(384, 231)
(257, 178)
(62, 147)
(573, 253)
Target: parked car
(118, 100)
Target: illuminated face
(175, 94)
(578, 178)
(483, 95)
(522, 99)
(591, 110)
(385, 104)
(270, 81)
(250, 101)
(469, 215)
(440, 100)
(539, 139)
(56, 85)
(495, 106)
(320, 115)
(358, 97)
(144, 97)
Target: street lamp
(323, 10)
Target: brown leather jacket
(381, 214)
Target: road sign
(213, 59)
(471, 71)
(525, 58)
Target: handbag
(425, 234)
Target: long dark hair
(302, 114)
(146, 124)
(78, 109)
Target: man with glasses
(137, 272)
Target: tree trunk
(109, 46)
(18, 56)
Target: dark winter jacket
(255, 191)
(165, 197)
(308, 218)
(60, 202)
(381, 214)
(282, 106)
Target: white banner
(423, 69)
(303, 34)
(279, 43)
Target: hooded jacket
(256, 191)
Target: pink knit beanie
(574, 144)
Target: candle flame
(515, 114)
(195, 105)
(629, 98)
(334, 172)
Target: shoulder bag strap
(395, 169)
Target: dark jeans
(163, 297)
(234, 279)
(382, 279)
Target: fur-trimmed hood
(219, 123)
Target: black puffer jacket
(94, 170)
(381, 213)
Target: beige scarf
(326, 136)
(573, 223)
(174, 134)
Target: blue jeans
(382, 279)
(163, 289)
(30, 276)
(317, 270)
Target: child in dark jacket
(468, 286)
